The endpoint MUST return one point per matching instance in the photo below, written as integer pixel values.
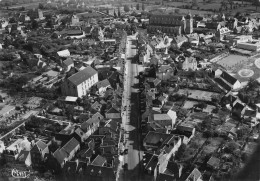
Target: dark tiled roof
(238, 106)
(227, 77)
(70, 145)
(23, 155)
(222, 84)
(85, 153)
(82, 75)
(171, 16)
(60, 155)
(150, 161)
(165, 177)
(153, 138)
(95, 119)
(103, 83)
(39, 145)
(172, 169)
(112, 110)
(250, 113)
(99, 161)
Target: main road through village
(130, 116)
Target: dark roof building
(99, 161)
(82, 75)
(170, 24)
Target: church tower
(189, 24)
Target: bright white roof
(71, 99)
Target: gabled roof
(96, 105)
(64, 53)
(60, 155)
(103, 83)
(150, 161)
(85, 153)
(99, 161)
(96, 118)
(39, 145)
(154, 138)
(23, 155)
(82, 75)
(68, 61)
(112, 110)
(157, 81)
(161, 117)
(238, 106)
(70, 145)
(179, 39)
(114, 125)
(227, 77)
(194, 175)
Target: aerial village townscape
(129, 90)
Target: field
(242, 67)
(203, 7)
(232, 61)
(197, 94)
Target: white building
(78, 84)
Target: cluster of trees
(138, 6)
(251, 93)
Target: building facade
(171, 24)
(78, 84)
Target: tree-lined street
(130, 116)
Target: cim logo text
(20, 174)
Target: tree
(126, 8)
(49, 23)
(186, 45)
(115, 15)
(119, 13)
(256, 3)
(137, 6)
(194, 3)
(34, 24)
(231, 147)
(180, 152)
(143, 7)
(243, 132)
(41, 6)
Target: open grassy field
(248, 66)
(232, 60)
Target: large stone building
(171, 24)
(78, 84)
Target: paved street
(130, 116)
